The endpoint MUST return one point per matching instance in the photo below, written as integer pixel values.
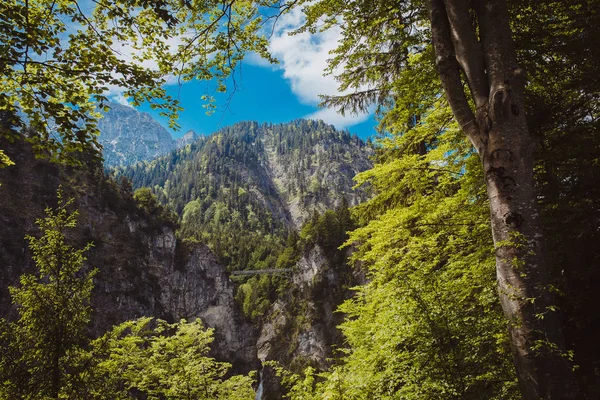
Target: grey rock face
(311, 267)
(202, 289)
(281, 338)
(128, 136)
(143, 270)
(189, 138)
(317, 291)
(301, 328)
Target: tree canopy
(59, 59)
(486, 93)
(390, 53)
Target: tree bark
(498, 130)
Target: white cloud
(255, 59)
(121, 99)
(340, 121)
(303, 59)
(126, 51)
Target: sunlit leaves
(428, 324)
(61, 58)
(53, 307)
(47, 352)
(166, 361)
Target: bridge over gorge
(262, 271)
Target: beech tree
(484, 86)
(497, 127)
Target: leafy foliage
(59, 59)
(563, 115)
(148, 204)
(428, 324)
(160, 360)
(53, 305)
(329, 231)
(47, 352)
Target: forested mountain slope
(244, 188)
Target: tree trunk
(498, 130)
(522, 272)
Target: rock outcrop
(301, 329)
(189, 138)
(143, 269)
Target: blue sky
(263, 94)
(268, 93)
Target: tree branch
(448, 69)
(468, 50)
(494, 30)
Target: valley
(247, 198)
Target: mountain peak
(190, 137)
(285, 172)
(128, 136)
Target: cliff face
(200, 288)
(143, 270)
(189, 138)
(300, 329)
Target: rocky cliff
(143, 269)
(189, 138)
(300, 329)
(253, 187)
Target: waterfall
(259, 391)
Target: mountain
(249, 197)
(128, 136)
(143, 268)
(243, 189)
(291, 169)
(189, 138)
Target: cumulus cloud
(303, 59)
(121, 99)
(336, 119)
